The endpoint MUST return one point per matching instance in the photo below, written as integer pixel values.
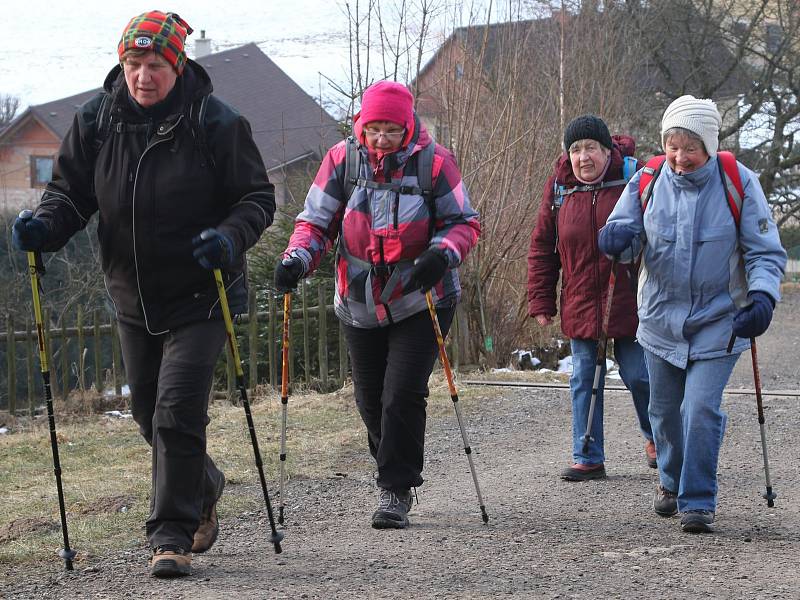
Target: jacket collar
(698, 178)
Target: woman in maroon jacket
(588, 180)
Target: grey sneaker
(697, 521)
(665, 503)
(392, 510)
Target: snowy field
(49, 50)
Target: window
(41, 170)
(774, 37)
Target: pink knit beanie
(387, 101)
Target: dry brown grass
(106, 467)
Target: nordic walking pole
(36, 268)
(769, 495)
(454, 397)
(287, 311)
(602, 345)
(277, 536)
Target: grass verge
(106, 468)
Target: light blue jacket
(696, 271)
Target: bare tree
(9, 105)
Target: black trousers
(391, 366)
(170, 379)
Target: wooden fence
(88, 355)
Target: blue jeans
(632, 369)
(688, 424)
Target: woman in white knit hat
(704, 277)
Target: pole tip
(276, 539)
(484, 516)
(68, 556)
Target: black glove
(212, 249)
(288, 272)
(28, 233)
(428, 269)
(753, 320)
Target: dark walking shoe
(650, 452)
(170, 561)
(697, 521)
(665, 503)
(208, 530)
(392, 510)
(579, 472)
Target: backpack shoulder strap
(197, 125)
(352, 166)
(103, 122)
(648, 178)
(628, 167)
(425, 168)
(425, 182)
(734, 191)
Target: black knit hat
(587, 127)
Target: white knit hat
(698, 115)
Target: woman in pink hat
(397, 203)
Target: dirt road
(546, 538)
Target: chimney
(202, 46)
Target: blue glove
(753, 320)
(288, 272)
(28, 233)
(428, 269)
(615, 238)
(212, 249)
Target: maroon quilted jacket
(584, 269)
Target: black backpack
(353, 179)
(561, 192)
(424, 158)
(196, 117)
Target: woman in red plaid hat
(159, 176)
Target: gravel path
(546, 538)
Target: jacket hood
(194, 82)
(623, 145)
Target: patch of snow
(126, 391)
(118, 414)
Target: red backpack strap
(734, 191)
(647, 179)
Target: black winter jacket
(156, 187)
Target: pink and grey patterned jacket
(385, 229)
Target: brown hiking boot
(580, 472)
(650, 451)
(665, 503)
(170, 561)
(208, 530)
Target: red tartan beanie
(160, 32)
(388, 101)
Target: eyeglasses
(392, 136)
